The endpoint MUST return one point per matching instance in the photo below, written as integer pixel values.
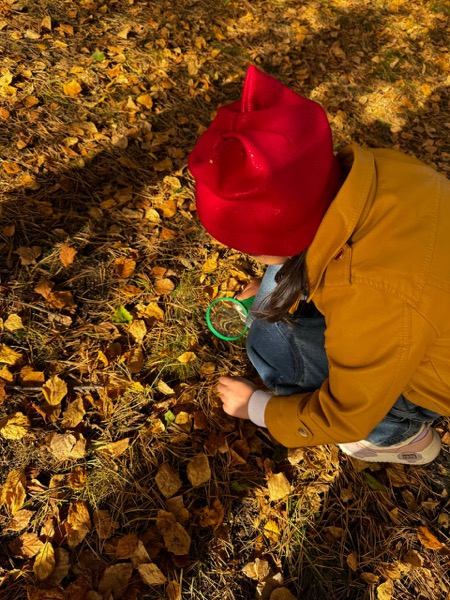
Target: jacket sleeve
(374, 342)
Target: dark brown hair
(292, 282)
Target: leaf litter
(121, 476)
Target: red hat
(265, 170)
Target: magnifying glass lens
(228, 319)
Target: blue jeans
(292, 359)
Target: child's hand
(250, 289)
(235, 392)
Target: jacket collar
(344, 212)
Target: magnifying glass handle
(248, 302)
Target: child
(351, 332)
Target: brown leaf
(13, 491)
(173, 591)
(127, 546)
(281, 593)
(115, 580)
(151, 575)
(29, 377)
(135, 360)
(413, 558)
(140, 555)
(163, 287)
(20, 520)
(67, 254)
(67, 445)
(428, 539)
(74, 413)
(14, 426)
(44, 563)
(198, 470)
(104, 524)
(54, 390)
(27, 545)
(125, 267)
(258, 570)
(138, 330)
(28, 255)
(176, 539)
(44, 287)
(352, 561)
(212, 516)
(279, 487)
(78, 523)
(62, 567)
(167, 480)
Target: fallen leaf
(29, 377)
(13, 323)
(211, 264)
(115, 580)
(198, 470)
(14, 426)
(151, 575)
(9, 230)
(163, 287)
(370, 578)
(145, 100)
(212, 516)
(20, 520)
(67, 445)
(164, 388)
(67, 254)
(167, 480)
(77, 478)
(281, 593)
(135, 360)
(352, 561)
(152, 310)
(74, 413)
(428, 540)
(258, 570)
(173, 591)
(126, 546)
(44, 563)
(115, 449)
(413, 558)
(78, 523)
(72, 88)
(27, 545)
(9, 356)
(13, 491)
(104, 524)
(62, 567)
(187, 357)
(385, 590)
(54, 390)
(176, 539)
(140, 556)
(138, 330)
(11, 168)
(279, 487)
(125, 267)
(28, 255)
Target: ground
(121, 475)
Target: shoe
(420, 449)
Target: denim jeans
(292, 359)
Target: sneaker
(419, 449)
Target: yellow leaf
(11, 168)
(198, 470)
(46, 23)
(29, 377)
(135, 360)
(187, 357)
(44, 563)
(151, 575)
(30, 101)
(138, 330)
(385, 590)
(4, 113)
(78, 523)
(163, 165)
(426, 89)
(123, 34)
(167, 234)
(125, 267)
(428, 539)
(77, 478)
(27, 545)
(152, 311)
(66, 28)
(67, 445)
(279, 487)
(14, 426)
(54, 390)
(145, 100)
(20, 520)
(163, 287)
(9, 356)
(164, 388)
(167, 480)
(72, 88)
(13, 323)
(67, 254)
(272, 531)
(6, 374)
(13, 491)
(74, 413)
(210, 264)
(115, 448)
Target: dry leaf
(27, 545)
(138, 330)
(14, 426)
(67, 254)
(164, 388)
(20, 520)
(44, 563)
(212, 516)
(163, 287)
(151, 575)
(145, 100)
(11, 168)
(152, 311)
(385, 590)
(370, 578)
(167, 480)
(176, 539)
(9, 230)
(281, 594)
(54, 390)
(77, 478)
(28, 255)
(125, 267)
(258, 570)
(126, 546)
(135, 360)
(187, 357)
(413, 558)
(272, 531)
(428, 539)
(78, 523)
(173, 591)
(352, 561)
(210, 265)
(13, 323)
(115, 580)
(9, 356)
(115, 449)
(13, 491)
(62, 566)
(72, 88)
(279, 487)
(74, 413)
(140, 555)
(104, 524)
(67, 445)
(198, 470)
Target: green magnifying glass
(226, 317)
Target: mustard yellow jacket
(379, 271)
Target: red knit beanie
(265, 170)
